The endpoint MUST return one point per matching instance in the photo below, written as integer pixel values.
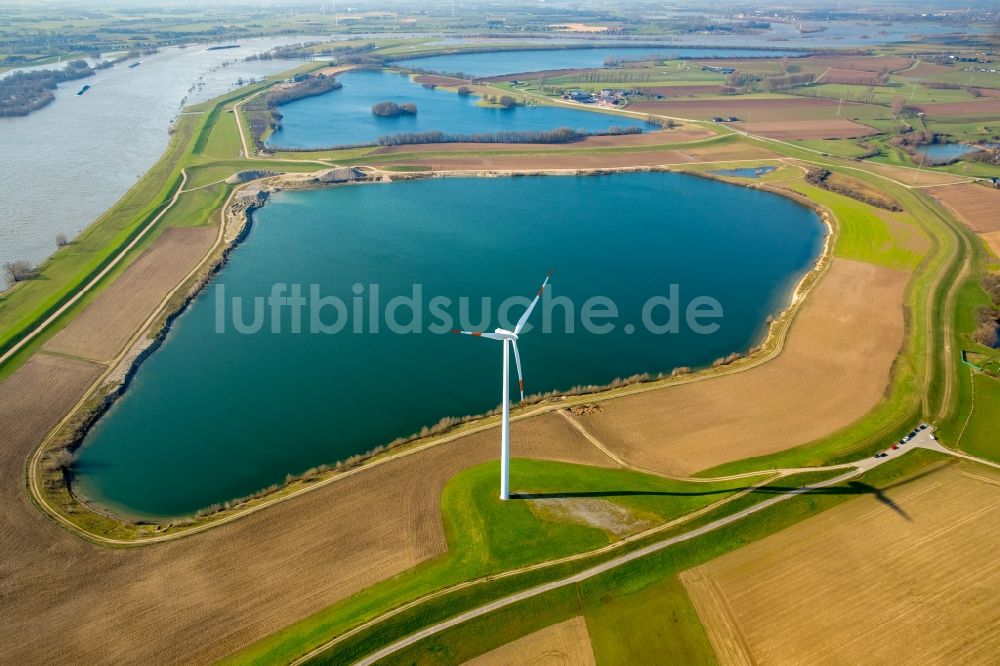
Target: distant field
(563, 643)
(828, 128)
(850, 76)
(101, 331)
(989, 106)
(908, 576)
(976, 205)
(866, 63)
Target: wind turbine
(509, 338)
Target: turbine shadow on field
(852, 488)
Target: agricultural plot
(886, 63)
(103, 329)
(857, 77)
(563, 643)
(32, 400)
(748, 109)
(833, 370)
(904, 576)
(829, 128)
(976, 205)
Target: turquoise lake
(344, 117)
(515, 62)
(216, 414)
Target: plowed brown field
(908, 577)
(826, 128)
(856, 77)
(752, 110)
(985, 106)
(101, 331)
(197, 599)
(976, 205)
(832, 371)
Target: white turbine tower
(508, 338)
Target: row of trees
(559, 135)
(24, 92)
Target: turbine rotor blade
(517, 362)
(527, 313)
(478, 334)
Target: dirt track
(103, 329)
(832, 371)
(909, 577)
(564, 643)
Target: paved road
(921, 440)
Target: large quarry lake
(344, 116)
(216, 413)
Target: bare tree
(18, 271)
(61, 240)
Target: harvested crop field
(826, 128)
(752, 110)
(196, 599)
(985, 106)
(833, 370)
(866, 63)
(905, 577)
(32, 400)
(683, 91)
(857, 77)
(564, 643)
(976, 205)
(102, 330)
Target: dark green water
(211, 416)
